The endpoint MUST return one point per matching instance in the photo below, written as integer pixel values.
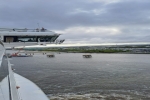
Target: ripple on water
(70, 73)
(99, 96)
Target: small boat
(51, 56)
(19, 55)
(22, 56)
(87, 56)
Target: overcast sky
(82, 21)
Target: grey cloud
(132, 17)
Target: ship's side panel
(3, 63)
(4, 84)
(3, 69)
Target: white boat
(12, 85)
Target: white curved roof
(28, 33)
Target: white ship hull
(27, 91)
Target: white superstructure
(26, 37)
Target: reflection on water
(111, 75)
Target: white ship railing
(14, 94)
(13, 87)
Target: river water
(102, 77)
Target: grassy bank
(81, 50)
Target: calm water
(104, 75)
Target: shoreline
(26, 51)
